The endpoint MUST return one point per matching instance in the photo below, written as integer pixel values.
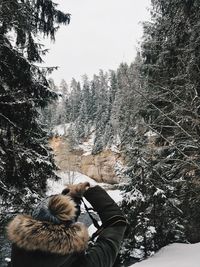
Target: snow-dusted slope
(55, 187)
(175, 255)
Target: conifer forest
(149, 110)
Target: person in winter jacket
(52, 237)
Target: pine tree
(150, 199)
(171, 56)
(166, 178)
(60, 106)
(102, 110)
(26, 161)
(48, 114)
(74, 100)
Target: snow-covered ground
(55, 187)
(61, 129)
(175, 255)
(66, 177)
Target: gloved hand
(76, 190)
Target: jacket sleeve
(105, 250)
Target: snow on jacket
(38, 243)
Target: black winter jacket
(43, 244)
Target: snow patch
(175, 255)
(87, 146)
(61, 130)
(137, 253)
(150, 134)
(134, 195)
(114, 148)
(159, 192)
(7, 259)
(68, 177)
(116, 195)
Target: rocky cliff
(100, 167)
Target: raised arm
(105, 250)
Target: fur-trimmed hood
(50, 228)
(31, 234)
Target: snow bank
(175, 255)
(61, 129)
(115, 195)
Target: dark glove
(76, 190)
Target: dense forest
(149, 109)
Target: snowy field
(175, 255)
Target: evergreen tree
(171, 56)
(82, 122)
(108, 138)
(102, 110)
(150, 200)
(48, 116)
(165, 179)
(25, 159)
(74, 100)
(60, 115)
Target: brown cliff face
(100, 167)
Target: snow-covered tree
(171, 57)
(25, 158)
(150, 199)
(102, 110)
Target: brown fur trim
(76, 190)
(63, 207)
(30, 234)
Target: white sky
(101, 35)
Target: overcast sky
(101, 35)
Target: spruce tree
(166, 178)
(26, 162)
(75, 100)
(171, 57)
(102, 110)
